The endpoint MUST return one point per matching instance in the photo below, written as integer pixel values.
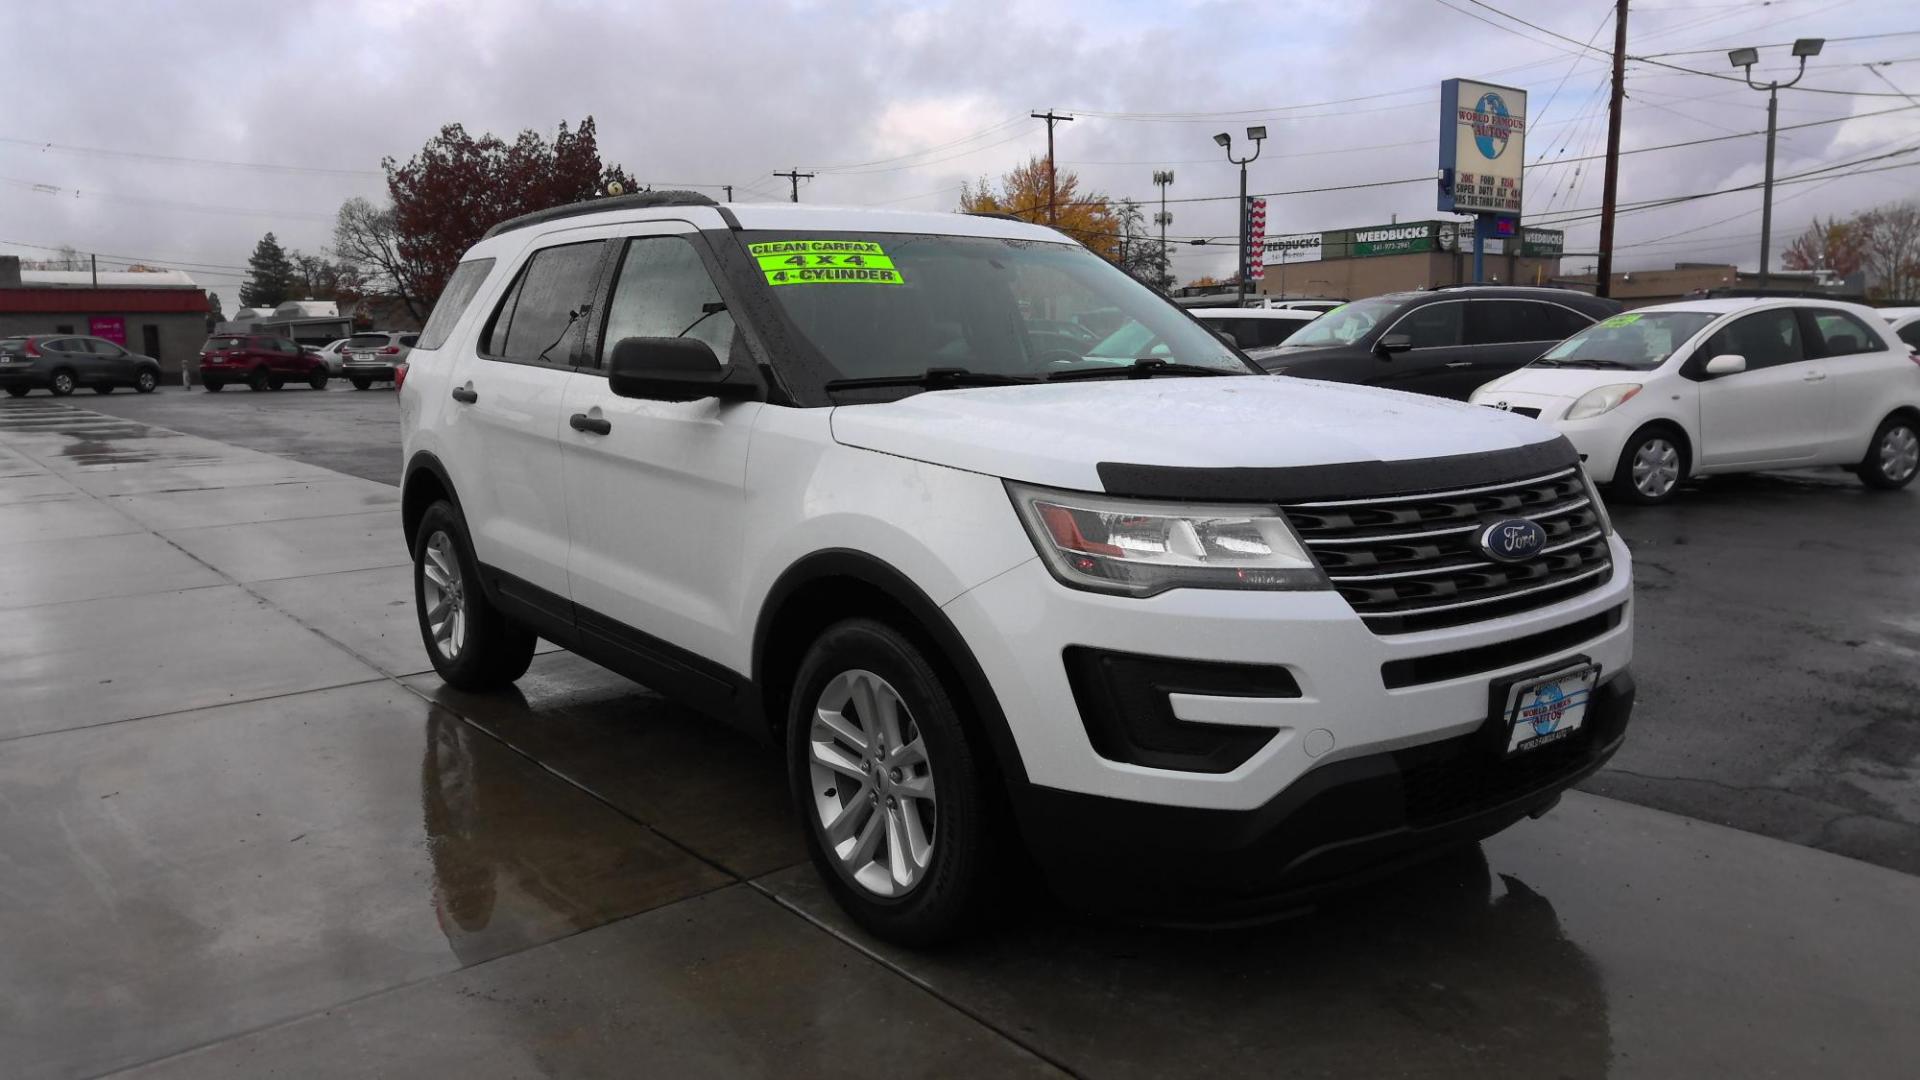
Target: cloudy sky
(177, 133)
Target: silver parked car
(374, 356)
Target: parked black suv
(1444, 342)
(59, 363)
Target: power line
(1784, 44)
(98, 151)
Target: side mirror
(1727, 364)
(676, 369)
(1393, 343)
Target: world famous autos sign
(1483, 145)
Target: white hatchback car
(1255, 328)
(1654, 396)
(1185, 634)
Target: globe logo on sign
(1489, 132)
(1552, 704)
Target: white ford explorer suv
(1185, 637)
(1653, 396)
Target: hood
(1058, 434)
(1556, 384)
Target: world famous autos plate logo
(1492, 125)
(1512, 540)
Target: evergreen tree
(215, 313)
(272, 279)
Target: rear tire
(18, 391)
(62, 384)
(276, 382)
(1651, 467)
(103, 388)
(879, 760)
(360, 383)
(257, 381)
(470, 642)
(145, 382)
(1893, 457)
(212, 385)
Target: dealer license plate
(1549, 710)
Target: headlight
(1603, 399)
(1137, 548)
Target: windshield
(1641, 340)
(1347, 323)
(888, 304)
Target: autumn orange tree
(1022, 193)
(1830, 245)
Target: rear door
(1507, 334)
(1439, 362)
(511, 396)
(656, 499)
(1858, 363)
(1773, 413)
(115, 364)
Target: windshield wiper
(1588, 361)
(1144, 368)
(936, 378)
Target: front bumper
(1342, 823)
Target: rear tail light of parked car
(399, 377)
(32, 348)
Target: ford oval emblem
(1512, 540)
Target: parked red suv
(262, 361)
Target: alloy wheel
(1899, 453)
(873, 793)
(1656, 467)
(443, 590)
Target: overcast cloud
(716, 93)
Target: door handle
(465, 396)
(1460, 364)
(591, 425)
(1813, 376)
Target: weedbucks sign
(1398, 239)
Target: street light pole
(1745, 59)
(1257, 135)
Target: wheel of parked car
(888, 783)
(213, 385)
(471, 644)
(62, 383)
(360, 383)
(318, 378)
(103, 388)
(276, 382)
(1893, 457)
(1651, 466)
(17, 391)
(257, 380)
(146, 381)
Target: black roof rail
(639, 200)
(996, 214)
(1742, 293)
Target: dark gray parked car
(62, 363)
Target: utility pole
(93, 261)
(1603, 283)
(1052, 118)
(729, 188)
(1164, 219)
(796, 176)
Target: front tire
(145, 382)
(18, 391)
(62, 384)
(103, 388)
(1893, 457)
(257, 381)
(470, 642)
(212, 385)
(1651, 466)
(889, 785)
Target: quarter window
(534, 318)
(664, 290)
(1840, 334)
(461, 287)
(1910, 334)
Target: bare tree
(1889, 238)
(64, 259)
(364, 238)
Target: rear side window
(1909, 333)
(1562, 323)
(461, 287)
(1838, 333)
(536, 315)
(1492, 322)
(664, 290)
(1766, 339)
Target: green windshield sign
(821, 262)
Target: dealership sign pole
(1483, 150)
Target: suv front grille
(1409, 562)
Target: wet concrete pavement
(244, 831)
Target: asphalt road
(1778, 637)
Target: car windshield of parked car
(880, 305)
(1638, 340)
(1346, 324)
